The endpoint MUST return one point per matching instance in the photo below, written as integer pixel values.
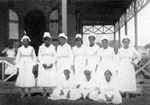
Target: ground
(37, 99)
(14, 99)
(10, 95)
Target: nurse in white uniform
(25, 60)
(79, 52)
(10, 51)
(64, 57)
(92, 54)
(106, 58)
(109, 92)
(47, 68)
(129, 56)
(88, 87)
(65, 88)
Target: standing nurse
(106, 55)
(47, 70)
(64, 57)
(92, 54)
(25, 60)
(129, 56)
(79, 52)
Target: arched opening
(35, 26)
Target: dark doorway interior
(35, 26)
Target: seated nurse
(9, 51)
(109, 92)
(64, 86)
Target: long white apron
(126, 73)
(64, 60)
(46, 77)
(25, 60)
(79, 63)
(93, 58)
(106, 62)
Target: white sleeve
(34, 56)
(40, 55)
(98, 55)
(70, 55)
(18, 56)
(5, 50)
(54, 56)
(73, 55)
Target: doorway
(35, 26)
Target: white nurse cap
(104, 37)
(47, 34)
(62, 35)
(78, 36)
(25, 37)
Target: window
(13, 25)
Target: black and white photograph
(74, 52)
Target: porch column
(64, 16)
(119, 33)
(114, 37)
(126, 27)
(135, 25)
(47, 22)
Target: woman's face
(25, 42)
(62, 41)
(105, 43)
(11, 45)
(126, 43)
(47, 41)
(107, 76)
(91, 40)
(78, 42)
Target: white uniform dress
(116, 64)
(109, 89)
(10, 53)
(89, 87)
(126, 73)
(92, 55)
(46, 77)
(65, 86)
(25, 60)
(79, 62)
(106, 63)
(64, 59)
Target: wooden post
(47, 22)
(3, 72)
(135, 25)
(64, 16)
(114, 39)
(119, 33)
(126, 27)
(114, 36)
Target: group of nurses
(78, 72)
